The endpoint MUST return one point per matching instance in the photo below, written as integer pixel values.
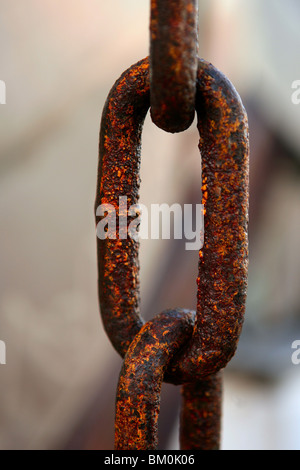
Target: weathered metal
(200, 418)
(138, 397)
(119, 164)
(140, 381)
(173, 63)
(223, 261)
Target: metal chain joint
(178, 346)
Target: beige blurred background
(59, 60)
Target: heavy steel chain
(173, 63)
(178, 346)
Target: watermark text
(296, 94)
(296, 353)
(2, 92)
(2, 353)
(139, 222)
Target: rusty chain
(173, 63)
(177, 346)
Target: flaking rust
(199, 345)
(173, 63)
(119, 164)
(138, 398)
(200, 418)
(223, 260)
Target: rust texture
(119, 163)
(141, 377)
(196, 358)
(173, 63)
(223, 260)
(200, 419)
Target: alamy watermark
(296, 353)
(138, 222)
(2, 352)
(2, 92)
(296, 94)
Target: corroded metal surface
(223, 260)
(200, 418)
(138, 397)
(119, 163)
(214, 330)
(173, 63)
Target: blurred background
(59, 60)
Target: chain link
(173, 63)
(177, 346)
